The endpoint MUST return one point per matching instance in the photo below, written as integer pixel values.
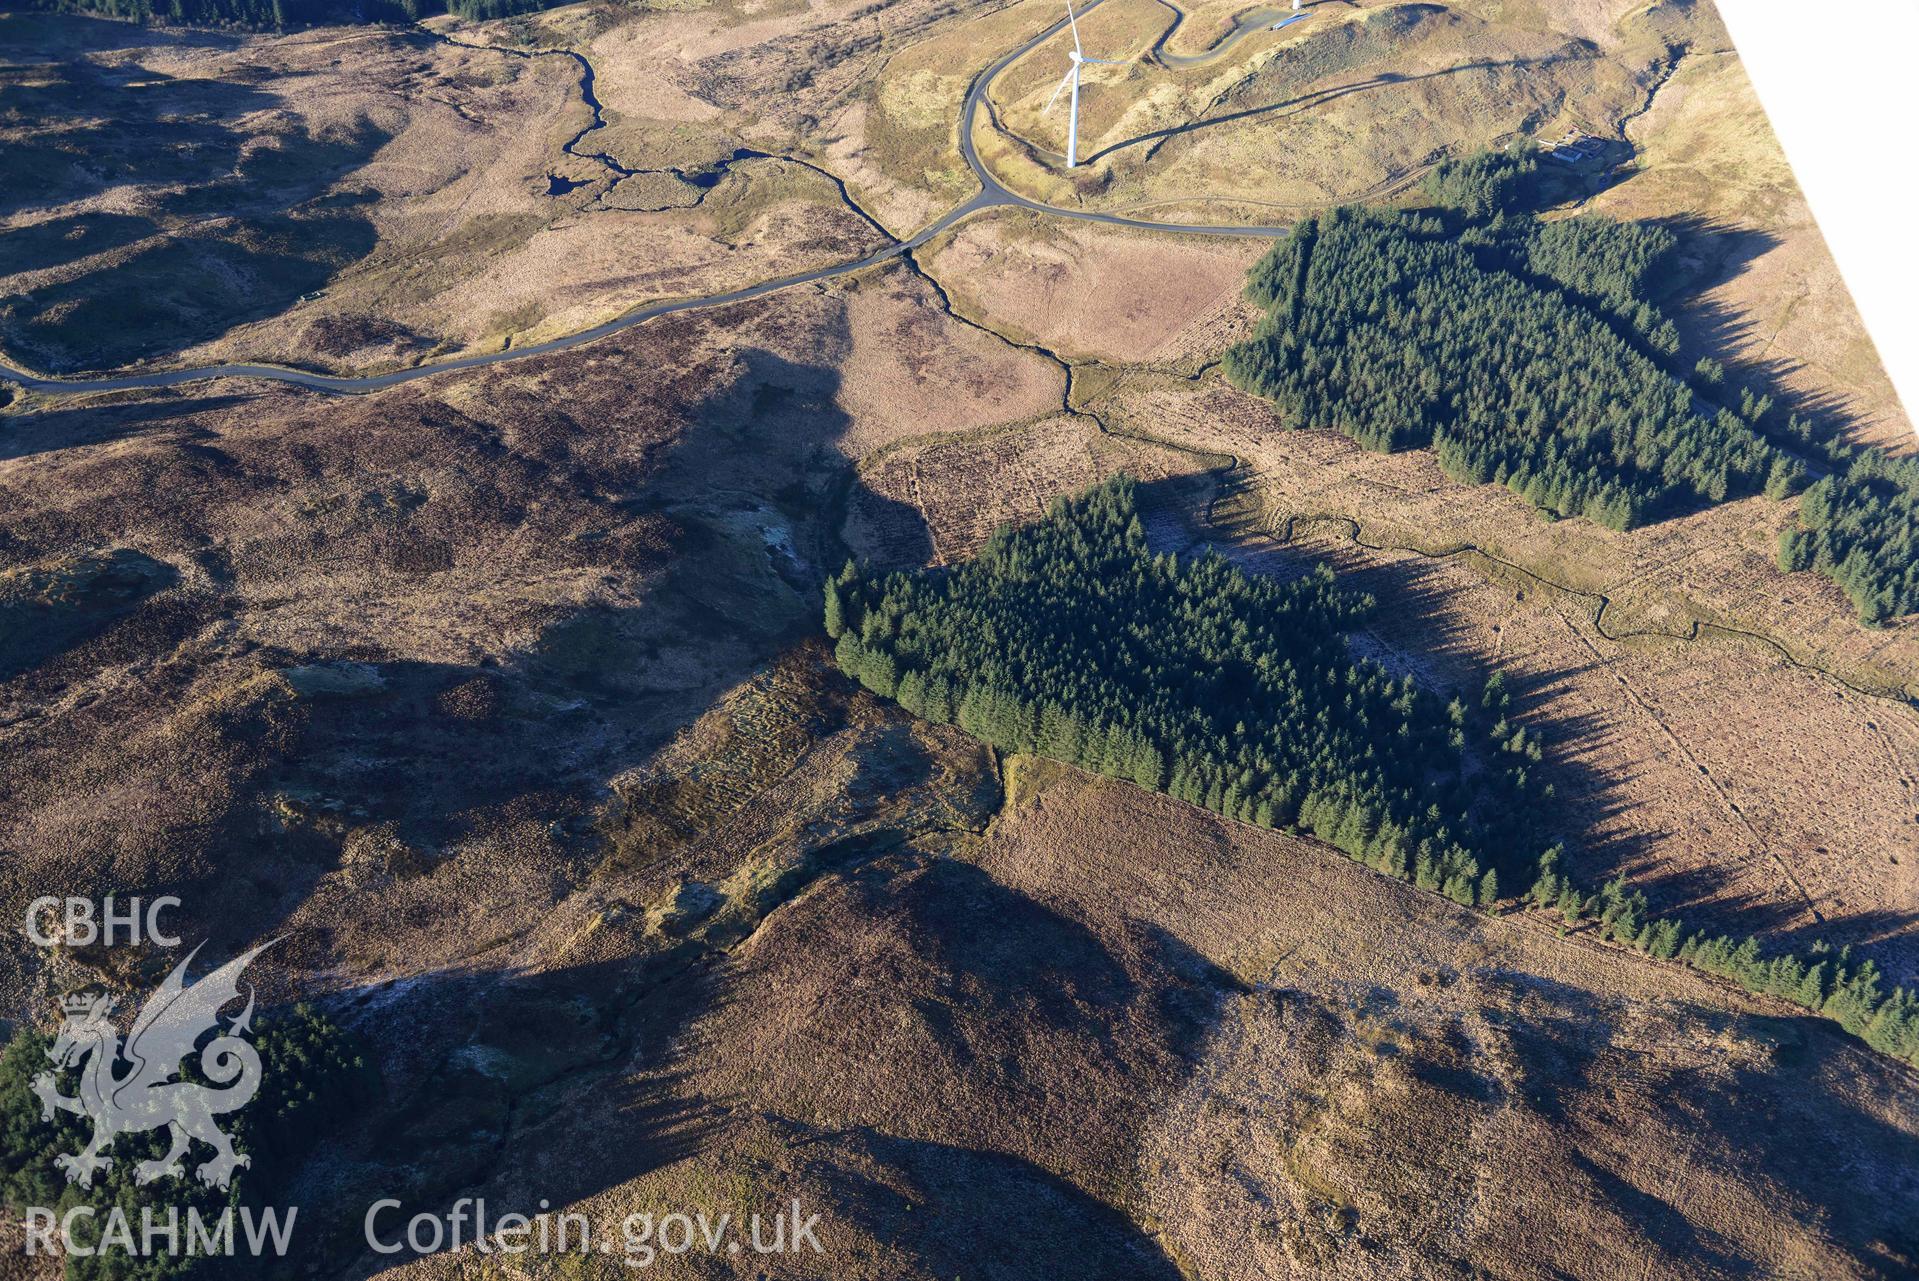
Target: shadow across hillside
(104, 122)
(980, 1213)
(1793, 1117)
(544, 1090)
(1712, 328)
(53, 430)
(535, 1090)
(229, 230)
(47, 610)
(713, 544)
(572, 1077)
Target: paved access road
(1257, 20)
(992, 194)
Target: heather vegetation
(1071, 639)
(1534, 353)
(1850, 992)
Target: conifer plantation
(1402, 334)
(1860, 528)
(1072, 640)
(1533, 354)
(1831, 982)
(314, 1077)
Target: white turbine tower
(1072, 79)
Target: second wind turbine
(1071, 80)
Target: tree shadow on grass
(1724, 251)
(1418, 629)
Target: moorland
(1006, 706)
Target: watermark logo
(79, 922)
(642, 1238)
(146, 1096)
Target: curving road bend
(992, 194)
(1257, 20)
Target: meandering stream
(992, 194)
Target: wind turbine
(1072, 78)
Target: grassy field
(1353, 103)
(1086, 292)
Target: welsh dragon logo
(145, 1096)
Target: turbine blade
(1075, 22)
(1105, 62)
(1064, 81)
